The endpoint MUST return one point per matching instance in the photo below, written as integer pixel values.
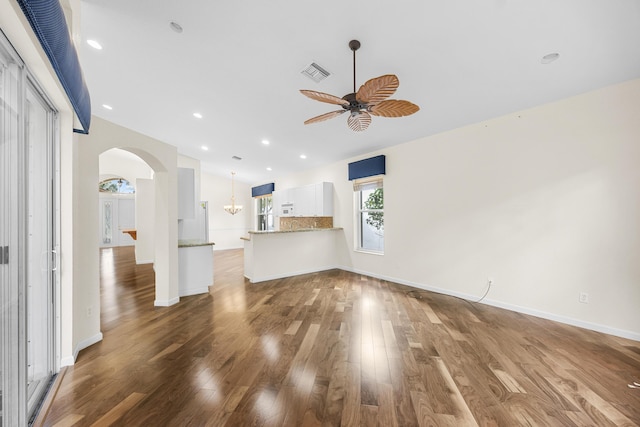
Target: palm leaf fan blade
(378, 89)
(323, 117)
(394, 108)
(323, 97)
(359, 121)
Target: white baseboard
(203, 290)
(512, 307)
(566, 320)
(290, 274)
(226, 248)
(68, 361)
(144, 261)
(166, 303)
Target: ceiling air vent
(236, 158)
(315, 72)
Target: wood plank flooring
(331, 349)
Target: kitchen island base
(195, 267)
(278, 254)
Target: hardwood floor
(335, 348)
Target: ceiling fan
(371, 98)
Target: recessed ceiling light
(548, 59)
(205, 148)
(197, 115)
(302, 156)
(265, 141)
(175, 26)
(107, 107)
(269, 169)
(94, 44)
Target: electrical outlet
(584, 298)
(90, 311)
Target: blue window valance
(47, 20)
(262, 190)
(367, 167)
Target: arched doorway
(121, 172)
(162, 159)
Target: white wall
(145, 221)
(544, 201)
(225, 229)
(121, 163)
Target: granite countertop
(193, 242)
(295, 231)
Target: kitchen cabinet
(195, 267)
(304, 200)
(308, 200)
(280, 198)
(186, 193)
(323, 199)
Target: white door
(9, 243)
(108, 219)
(117, 213)
(41, 259)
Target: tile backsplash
(298, 222)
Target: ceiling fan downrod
(354, 45)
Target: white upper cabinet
(276, 198)
(283, 202)
(309, 200)
(324, 199)
(304, 199)
(186, 193)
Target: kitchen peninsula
(276, 254)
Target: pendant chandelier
(233, 208)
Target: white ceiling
(239, 64)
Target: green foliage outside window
(375, 201)
(110, 186)
(116, 185)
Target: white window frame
(259, 213)
(359, 186)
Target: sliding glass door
(8, 239)
(41, 257)
(27, 241)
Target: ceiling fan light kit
(370, 99)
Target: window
(369, 195)
(116, 185)
(264, 209)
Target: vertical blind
(47, 20)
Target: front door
(117, 213)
